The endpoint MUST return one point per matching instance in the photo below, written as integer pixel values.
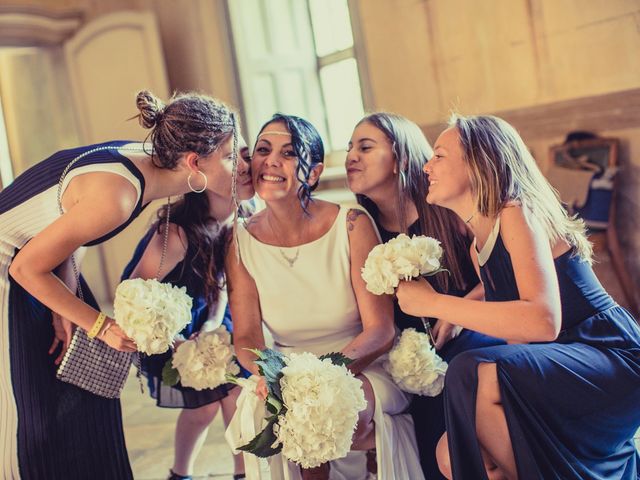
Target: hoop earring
(403, 179)
(195, 190)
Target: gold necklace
(290, 260)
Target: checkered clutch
(90, 363)
(93, 365)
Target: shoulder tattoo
(352, 216)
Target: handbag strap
(76, 272)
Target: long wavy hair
(411, 151)
(502, 170)
(206, 239)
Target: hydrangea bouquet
(151, 313)
(413, 362)
(314, 404)
(203, 362)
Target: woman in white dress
(298, 272)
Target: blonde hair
(502, 170)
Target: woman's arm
(376, 311)
(100, 209)
(536, 316)
(245, 310)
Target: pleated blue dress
(573, 405)
(50, 429)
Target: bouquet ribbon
(246, 423)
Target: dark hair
(205, 240)
(190, 122)
(308, 146)
(411, 151)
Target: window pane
(331, 25)
(343, 100)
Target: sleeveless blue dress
(48, 428)
(573, 405)
(428, 412)
(181, 275)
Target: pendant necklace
(290, 260)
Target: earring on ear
(403, 179)
(195, 190)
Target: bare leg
(228, 409)
(191, 432)
(444, 462)
(491, 424)
(364, 437)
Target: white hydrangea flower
(322, 401)
(401, 258)
(415, 366)
(151, 313)
(205, 361)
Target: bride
(296, 267)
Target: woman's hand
(261, 389)
(113, 336)
(62, 333)
(415, 297)
(443, 332)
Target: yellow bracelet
(97, 326)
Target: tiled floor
(149, 434)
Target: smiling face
(449, 181)
(370, 163)
(273, 164)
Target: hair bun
(151, 108)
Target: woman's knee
(442, 456)
(365, 426)
(201, 416)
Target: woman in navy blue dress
(194, 259)
(48, 428)
(386, 155)
(561, 400)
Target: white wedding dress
(310, 306)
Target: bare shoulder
(255, 224)
(356, 217)
(106, 191)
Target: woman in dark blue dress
(48, 428)
(194, 259)
(561, 400)
(384, 165)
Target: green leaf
(261, 445)
(270, 363)
(170, 375)
(337, 358)
(274, 405)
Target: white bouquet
(401, 258)
(314, 404)
(204, 362)
(151, 313)
(415, 366)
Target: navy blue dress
(572, 406)
(48, 428)
(428, 412)
(181, 275)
